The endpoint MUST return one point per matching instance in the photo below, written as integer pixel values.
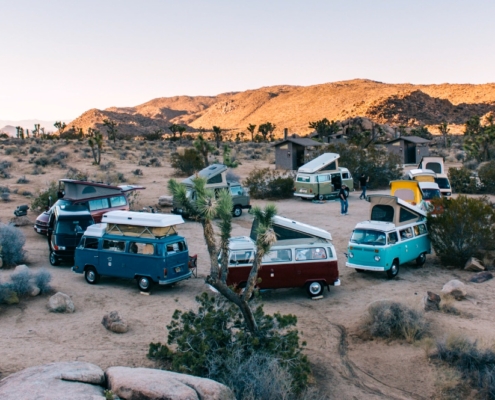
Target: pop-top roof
(376, 225)
(318, 163)
(142, 219)
(391, 209)
(421, 172)
(207, 173)
(286, 228)
(96, 230)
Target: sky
(60, 58)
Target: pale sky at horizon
(59, 58)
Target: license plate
(177, 269)
(303, 190)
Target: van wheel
(144, 283)
(314, 289)
(53, 259)
(420, 261)
(91, 276)
(321, 197)
(237, 211)
(394, 270)
(359, 270)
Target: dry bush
(392, 320)
(12, 241)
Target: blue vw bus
(395, 234)
(140, 246)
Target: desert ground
(345, 364)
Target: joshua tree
(479, 138)
(251, 128)
(111, 129)
(60, 127)
(174, 128)
(95, 141)
(181, 129)
(444, 130)
(20, 132)
(217, 132)
(266, 130)
(203, 147)
(204, 209)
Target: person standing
(343, 200)
(363, 182)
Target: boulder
(455, 288)
(432, 301)
(165, 201)
(481, 277)
(153, 384)
(20, 268)
(114, 323)
(34, 291)
(56, 381)
(61, 303)
(473, 264)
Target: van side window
(422, 229)
(280, 255)
(241, 257)
(236, 190)
(113, 245)
(97, 204)
(322, 178)
(141, 248)
(416, 230)
(315, 253)
(117, 201)
(392, 238)
(406, 215)
(345, 175)
(90, 243)
(406, 234)
(305, 179)
(215, 179)
(382, 212)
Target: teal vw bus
(395, 234)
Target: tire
(314, 289)
(321, 197)
(359, 270)
(237, 211)
(420, 261)
(53, 259)
(394, 270)
(91, 276)
(144, 283)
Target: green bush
(12, 241)
(214, 342)
(462, 181)
(487, 177)
(388, 319)
(266, 183)
(374, 161)
(465, 229)
(187, 163)
(477, 366)
(42, 199)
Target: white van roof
(96, 230)
(421, 172)
(142, 219)
(318, 163)
(376, 225)
(300, 227)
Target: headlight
(377, 258)
(351, 255)
(448, 194)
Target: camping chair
(193, 265)
(21, 210)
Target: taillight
(165, 272)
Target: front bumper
(366, 267)
(175, 280)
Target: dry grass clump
(393, 320)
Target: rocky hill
(293, 107)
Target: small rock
(481, 277)
(165, 201)
(35, 291)
(61, 303)
(432, 301)
(473, 264)
(114, 323)
(12, 298)
(20, 268)
(455, 288)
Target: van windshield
(369, 237)
(70, 226)
(429, 194)
(443, 183)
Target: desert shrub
(471, 164)
(460, 156)
(155, 162)
(37, 170)
(35, 149)
(5, 195)
(212, 342)
(462, 181)
(22, 180)
(266, 183)
(12, 241)
(42, 280)
(187, 163)
(114, 178)
(20, 282)
(4, 169)
(476, 365)
(42, 161)
(74, 173)
(374, 161)
(42, 198)
(108, 166)
(138, 172)
(26, 193)
(465, 229)
(392, 320)
(59, 158)
(486, 173)
(11, 150)
(123, 155)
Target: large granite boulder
(61, 303)
(114, 323)
(57, 381)
(165, 201)
(455, 288)
(154, 384)
(473, 264)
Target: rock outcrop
(455, 288)
(61, 303)
(114, 323)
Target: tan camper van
(322, 178)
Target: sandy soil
(345, 365)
